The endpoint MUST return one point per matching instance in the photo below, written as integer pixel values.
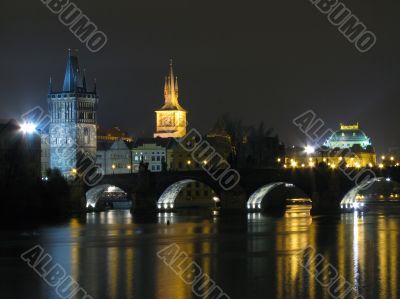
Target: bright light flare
(28, 128)
(309, 149)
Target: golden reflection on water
(113, 257)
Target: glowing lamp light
(309, 149)
(380, 166)
(28, 128)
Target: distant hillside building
(112, 135)
(73, 112)
(349, 146)
(171, 117)
(348, 136)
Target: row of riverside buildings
(73, 123)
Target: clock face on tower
(166, 121)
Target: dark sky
(257, 60)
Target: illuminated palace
(73, 119)
(349, 146)
(171, 118)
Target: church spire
(171, 89)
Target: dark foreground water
(114, 255)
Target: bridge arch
(95, 193)
(168, 197)
(351, 200)
(255, 201)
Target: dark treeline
(252, 145)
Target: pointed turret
(73, 77)
(171, 92)
(171, 118)
(95, 85)
(50, 86)
(84, 80)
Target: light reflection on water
(254, 255)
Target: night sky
(256, 60)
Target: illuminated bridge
(326, 189)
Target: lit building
(171, 118)
(45, 153)
(112, 135)
(347, 137)
(73, 110)
(179, 159)
(348, 147)
(115, 158)
(151, 152)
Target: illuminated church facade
(171, 117)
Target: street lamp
(28, 128)
(129, 168)
(113, 168)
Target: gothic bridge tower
(73, 113)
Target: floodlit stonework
(171, 118)
(72, 131)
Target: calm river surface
(114, 255)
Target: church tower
(72, 131)
(171, 118)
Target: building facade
(347, 137)
(349, 147)
(171, 117)
(73, 112)
(152, 152)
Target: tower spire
(73, 76)
(95, 86)
(50, 86)
(84, 80)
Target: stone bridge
(325, 187)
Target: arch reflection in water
(291, 195)
(375, 191)
(285, 236)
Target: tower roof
(73, 79)
(171, 91)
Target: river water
(114, 254)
